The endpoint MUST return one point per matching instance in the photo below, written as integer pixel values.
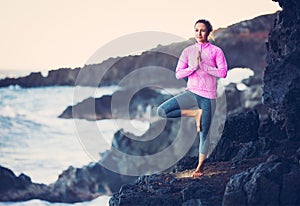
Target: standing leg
(208, 107)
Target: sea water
(34, 141)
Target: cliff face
(244, 43)
(281, 84)
(59, 77)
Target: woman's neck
(202, 42)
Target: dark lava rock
(180, 188)
(59, 77)
(281, 84)
(274, 182)
(125, 103)
(13, 188)
(244, 43)
(241, 128)
(161, 147)
(88, 182)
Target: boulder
(274, 182)
(126, 103)
(281, 83)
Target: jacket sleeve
(184, 67)
(221, 66)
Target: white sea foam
(100, 201)
(236, 75)
(34, 141)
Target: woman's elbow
(224, 75)
(178, 76)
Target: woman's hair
(208, 26)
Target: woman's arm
(184, 68)
(220, 70)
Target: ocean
(34, 141)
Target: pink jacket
(202, 77)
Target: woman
(202, 63)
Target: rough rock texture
(236, 41)
(276, 179)
(59, 77)
(73, 185)
(241, 128)
(274, 182)
(159, 149)
(281, 86)
(86, 183)
(13, 188)
(127, 103)
(248, 98)
(179, 188)
(244, 43)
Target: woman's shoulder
(189, 48)
(215, 47)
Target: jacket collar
(203, 45)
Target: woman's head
(203, 29)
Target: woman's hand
(199, 57)
(194, 60)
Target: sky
(39, 35)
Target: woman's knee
(161, 112)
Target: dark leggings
(188, 100)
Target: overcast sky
(51, 34)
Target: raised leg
(196, 114)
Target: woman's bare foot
(198, 118)
(197, 174)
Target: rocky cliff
(281, 85)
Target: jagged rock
(271, 183)
(59, 77)
(247, 48)
(241, 128)
(157, 188)
(158, 148)
(253, 149)
(73, 185)
(281, 84)
(13, 188)
(256, 79)
(233, 98)
(141, 103)
(131, 144)
(186, 163)
(90, 109)
(180, 188)
(272, 130)
(88, 182)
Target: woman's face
(201, 33)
